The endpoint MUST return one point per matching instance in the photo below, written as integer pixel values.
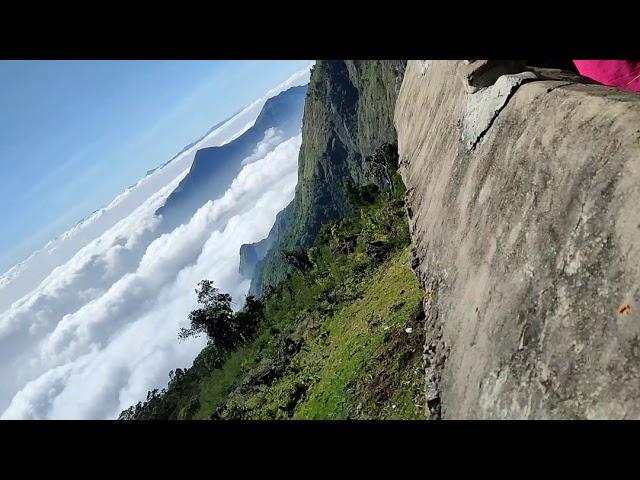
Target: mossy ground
(348, 361)
(363, 361)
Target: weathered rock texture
(527, 243)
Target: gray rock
(483, 106)
(424, 66)
(528, 246)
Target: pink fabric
(614, 73)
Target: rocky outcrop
(522, 198)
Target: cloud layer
(106, 354)
(99, 328)
(24, 277)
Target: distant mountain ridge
(252, 255)
(194, 143)
(214, 168)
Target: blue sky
(74, 134)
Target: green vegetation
(225, 330)
(341, 337)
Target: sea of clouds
(89, 323)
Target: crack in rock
(483, 106)
(551, 89)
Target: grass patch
(215, 387)
(356, 335)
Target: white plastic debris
(408, 329)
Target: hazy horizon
(78, 133)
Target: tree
(214, 318)
(248, 319)
(361, 196)
(383, 164)
(298, 259)
(313, 254)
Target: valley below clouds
(90, 323)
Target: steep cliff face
(523, 200)
(348, 114)
(252, 255)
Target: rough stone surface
(424, 66)
(483, 106)
(528, 247)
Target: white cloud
(89, 323)
(272, 137)
(23, 278)
(101, 330)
